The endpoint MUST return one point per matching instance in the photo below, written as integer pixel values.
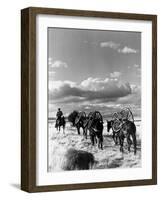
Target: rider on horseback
(60, 120)
(59, 114)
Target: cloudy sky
(93, 70)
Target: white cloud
(50, 61)
(94, 84)
(115, 74)
(94, 43)
(136, 66)
(57, 63)
(127, 50)
(91, 89)
(135, 88)
(55, 85)
(106, 95)
(134, 98)
(116, 46)
(110, 44)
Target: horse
(81, 121)
(60, 122)
(95, 127)
(128, 131)
(114, 133)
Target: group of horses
(93, 124)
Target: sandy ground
(109, 157)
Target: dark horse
(60, 122)
(95, 127)
(128, 131)
(81, 122)
(114, 133)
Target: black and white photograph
(94, 99)
(89, 99)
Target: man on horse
(59, 114)
(60, 119)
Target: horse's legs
(101, 145)
(85, 132)
(115, 138)
(101, 142)
(78, 130)
(121, 138)
(95, 140)
(92, 139)
(129, 142)
(134, 141)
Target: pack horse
(123, 126)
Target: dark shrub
(78, 160)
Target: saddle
(93, 116)
(120, 118)
(81, 115)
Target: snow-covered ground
(109, 157)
